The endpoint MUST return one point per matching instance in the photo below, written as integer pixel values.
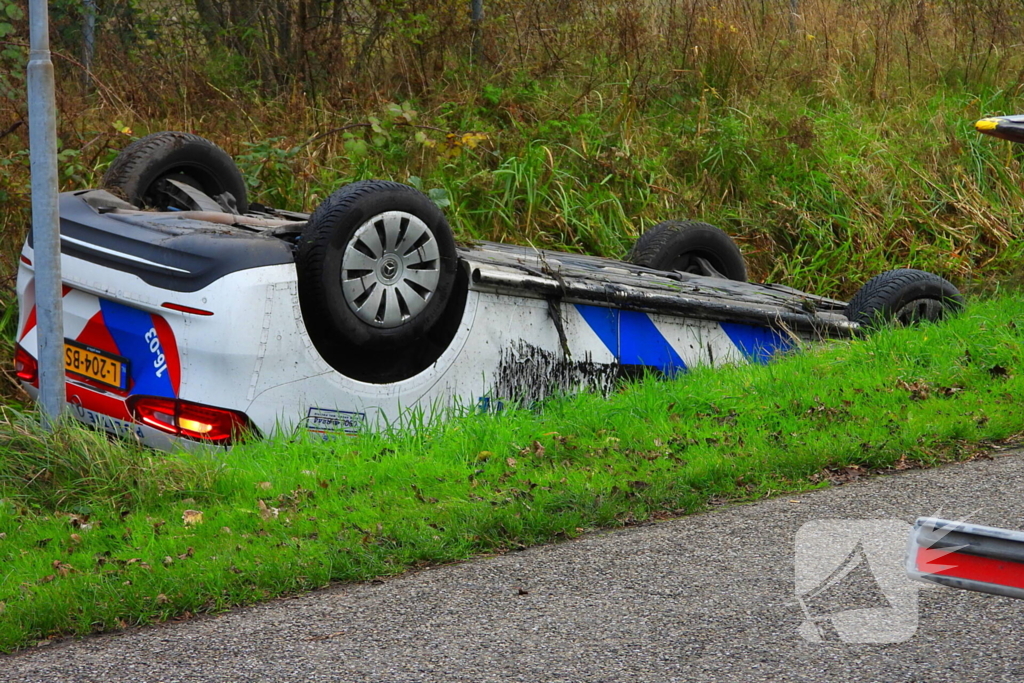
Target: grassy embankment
(831, 147)
(96, 535)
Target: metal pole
(88, 39)
(42, 129)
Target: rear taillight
(26, 368)
(191, 420)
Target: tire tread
(650, 249)
(126, 163)
(874, 301)
(130, 165)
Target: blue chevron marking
(605, 324)
(640, 343)
(758, 344)
(128, 327)
(632, 338)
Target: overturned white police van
(191, 315)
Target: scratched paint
(528, 374)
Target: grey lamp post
(42, 118)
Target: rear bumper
(202, 347)
(110, 414)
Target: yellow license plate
(96, 365)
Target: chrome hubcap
(390, 269)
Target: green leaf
(439, 195)
(5, 29)
(416, 182)
(15, 13)
(356, 147)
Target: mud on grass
(97, 535)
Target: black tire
(366, 267)
(679, 245)
(137, 171)
(903, 297)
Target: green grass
(826, 151)
(94, 538)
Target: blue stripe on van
(640, 343)
(758, 344)
(605, 324)
(632, 338)
(128, 326)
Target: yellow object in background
(1003, 127)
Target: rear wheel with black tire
(903, 296)
(689, 247)
(139, 172)
(378, 288)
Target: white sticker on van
(325, 421)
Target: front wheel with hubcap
(377, 269)
(390, 269)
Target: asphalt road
(705, 598)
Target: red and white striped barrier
(967, 556)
